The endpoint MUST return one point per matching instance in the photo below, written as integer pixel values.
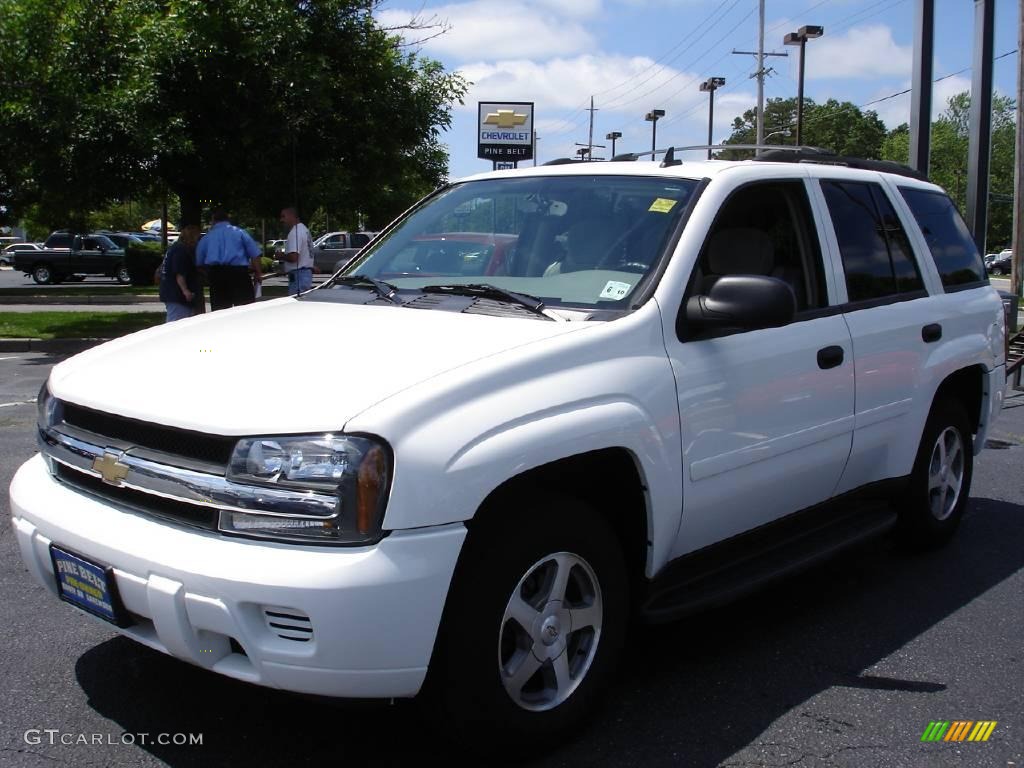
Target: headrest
(740, 251)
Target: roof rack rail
(883, 166)
(563, 161)
(631, 156)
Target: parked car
(1002, 264)
(335, 247)
(685, 379)
(450, 254)
(123, 239)
(7, 256)
(72, 256)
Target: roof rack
(784, 153)
(631, 156)
(563, 161)
(884, 166)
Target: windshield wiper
(488, 291)
(382, 289)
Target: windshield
(572, 241)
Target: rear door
(893, 320)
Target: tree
(948, 159)
(251, 103)
(838, 126)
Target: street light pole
(711, 85)
(653, 117)
(800, 37)
(613, 136)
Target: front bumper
(372, 612)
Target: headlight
(354, 471)
(48, 408)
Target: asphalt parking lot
(842, 666)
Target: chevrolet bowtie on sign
(505, 131)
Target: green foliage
(142, 259)
(839, 126)
(252, 103)
(948, 161)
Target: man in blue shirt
(227, 253)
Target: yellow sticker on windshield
(662, 205)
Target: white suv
(559, 397)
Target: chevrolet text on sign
(505, 130)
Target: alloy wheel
(550, 631)
(945, 473)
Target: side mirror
(743, 301)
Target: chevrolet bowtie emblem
(111, 470)
(505, 118)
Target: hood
(283, 366)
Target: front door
(767, 415)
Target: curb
(69, 346)
(86, 299)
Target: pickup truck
(334, 250)
(68, 256)
(735, 370)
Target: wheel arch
(621, 498)
(968, 387)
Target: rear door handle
(830, 357)
(931, 332)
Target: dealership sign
(505, 130)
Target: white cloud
(491, 29)
(861, 52)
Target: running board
(722, 573)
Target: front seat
(587, 244)
(737, 251)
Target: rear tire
(533, 626)
(940, 482)
(123, 276)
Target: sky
(636, 55)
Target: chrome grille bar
(186, 485)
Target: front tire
(43, 275)
(940, 482)
(534, 624)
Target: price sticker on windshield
(662, 205)
(613, 289)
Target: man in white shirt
(298, 253)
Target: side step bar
(722, 573)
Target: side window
(876, 253)
(767, 229)
(359, 240)
(950, 243)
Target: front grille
(156, 506)
(213, 449)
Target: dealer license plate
(87, 585)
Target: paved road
(11, 279)
(843, 666)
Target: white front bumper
(373, 611)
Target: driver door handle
(830, 357)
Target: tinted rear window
(876, 254)
(949, 241)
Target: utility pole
(979, 146)
(761, 73)
(1018, 182)
(536, 138)
(921, 89)
(590, 136)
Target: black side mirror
(743, 301)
